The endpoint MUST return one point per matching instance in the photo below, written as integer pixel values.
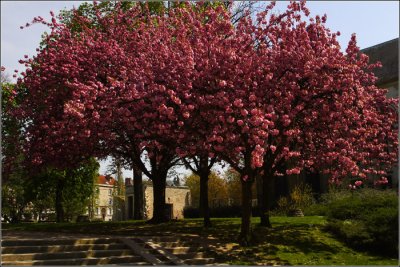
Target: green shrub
(317, 209)
(301, 197)
(366, 219)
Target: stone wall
(178, 196)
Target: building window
(110, 192)
(97, 201)
(109, 211)
(110, 201)
(97, 211)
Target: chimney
(128, 181)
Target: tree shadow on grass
(296, 238)
(269, 244)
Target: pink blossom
(238, 103)
(252, 98)
(222, 83)
(275, 132)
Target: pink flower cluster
(381, 181)
(260, 95)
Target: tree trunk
(245, 230)
(268, 192)
(59, 201)
(137, 194)
(204, 207)
(261, 202)
(159, 207)
(266, 188)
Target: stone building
(103, 206)
(177, 198)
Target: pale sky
(374, 22)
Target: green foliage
(10, 132)
(13, 197)
(79, 187)
(217, 190)
(234, 186)
(41, 192)
(283, 206)
(13, 192)
(104, 9)
(301, 197)
(321, 208)
(88, 10)
(316, 209)
(366, 219)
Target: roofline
(106, 185)
(380, 44)
(168, 186)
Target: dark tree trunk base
(204, 208)
(159, 205)
(59, 202)
(265, 222)
(207, 223)
(138, 195)
(245, 240)
(245, 237)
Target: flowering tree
(328, 114)
(268, 96)
(92, 94)
(279, 96)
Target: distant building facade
(176, 197)
(103, 206)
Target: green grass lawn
(291, 241)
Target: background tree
(201, 166)
(115, 168)
(13, 173)
(41, 192)
(78, 189)
(217, 190)
(119, 194)
(13, 198)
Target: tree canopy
(260, 95)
